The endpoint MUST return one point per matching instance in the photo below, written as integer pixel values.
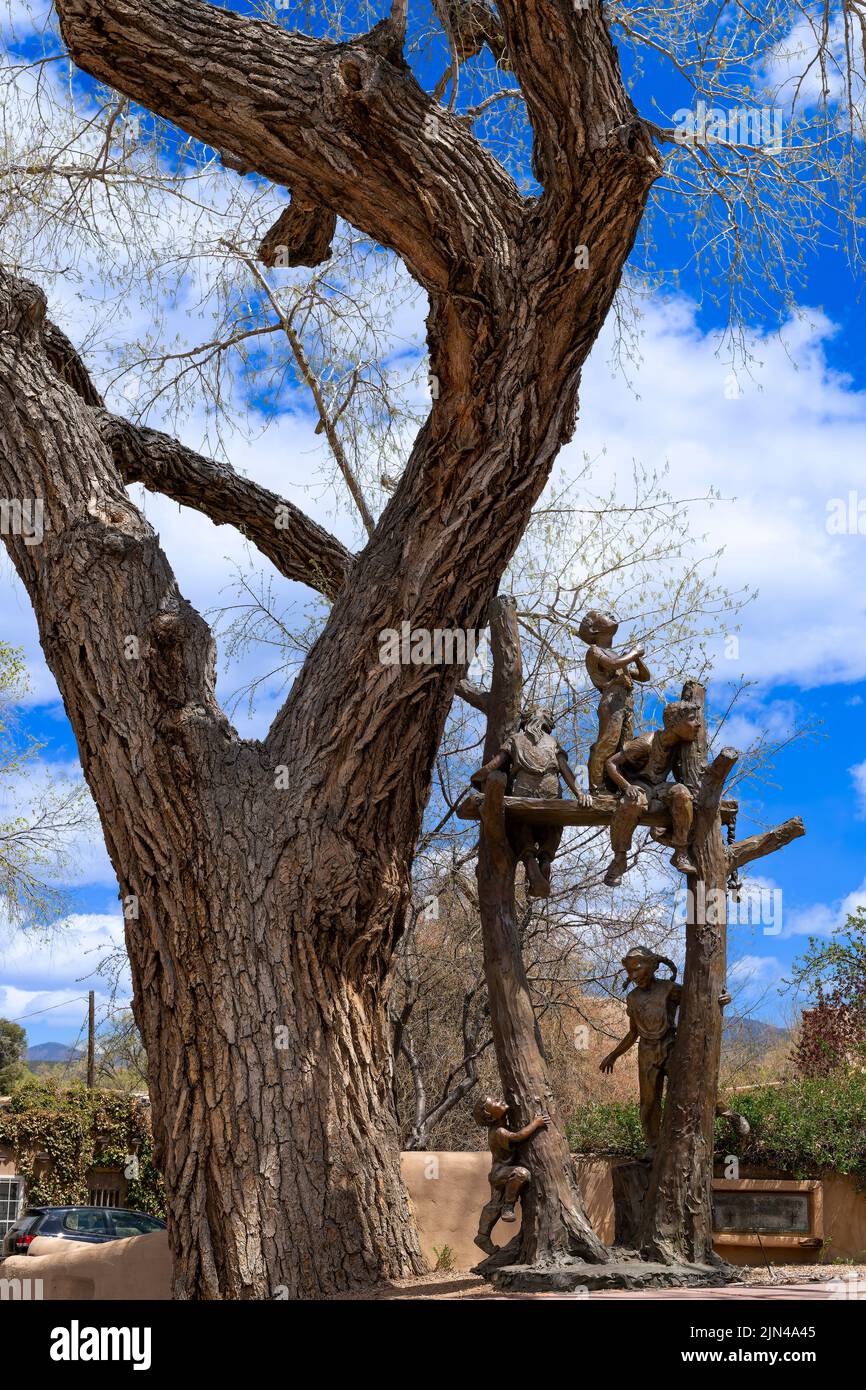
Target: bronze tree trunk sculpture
(554, 1223)
(677, 1209)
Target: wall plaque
(762, 1213)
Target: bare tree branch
(766, 842)
(568, 70)
(298, 547)
(479, 699)
(328, 424)
(339, 124)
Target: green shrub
(807, 1126)
(804, 1127)
(606, 1129)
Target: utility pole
(91, 1040)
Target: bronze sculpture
(534, 762)
(613, 677)
(507, 1177)
(640, 770)
(652, 1006)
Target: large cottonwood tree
(268, 880)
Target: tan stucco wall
(844, 1219)
(595, 1185)
(448, 1191)
(138, 1267)
(447, 1209)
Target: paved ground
(788, 1284)
(788, 1293)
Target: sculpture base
(630, 1182)
(577, 1277)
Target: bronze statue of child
(507, 1177)
(534, 763)
(640, 771)
(652, 1011)
(613, 676)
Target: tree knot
(23, 307)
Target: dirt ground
(783, 1282)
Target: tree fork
(245, 893)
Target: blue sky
(781, 449)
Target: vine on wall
(80, 1129)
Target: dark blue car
(94, 1225)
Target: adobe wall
(448, 1191)
(137, 1267)
(447, 1207)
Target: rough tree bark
(267, 917)
(553, 1223)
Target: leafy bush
(833, 972)
(807, 1126)
(606, 1129)
(78, 1129)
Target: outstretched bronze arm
(612, 768)
(631, 1037)
(582, 798)
(498, 764)
(519, 1136)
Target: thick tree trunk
(553, 1221)
(262, 1014)
(271, 1081)
(262, 909)
(677, 1214)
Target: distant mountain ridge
(755, 1033)
(53, 1052)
